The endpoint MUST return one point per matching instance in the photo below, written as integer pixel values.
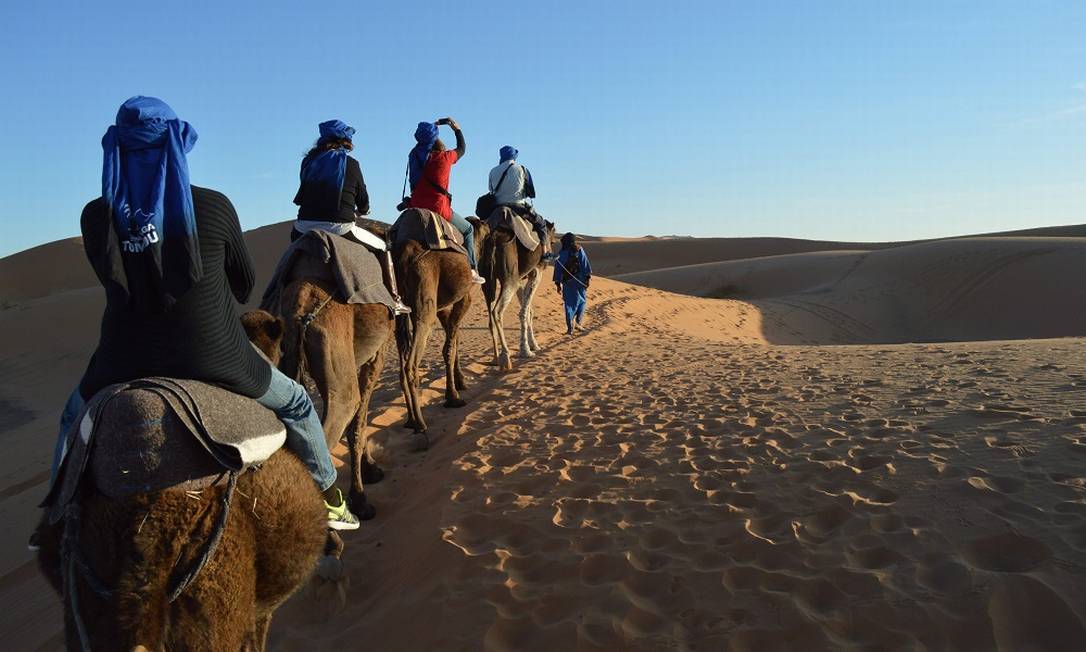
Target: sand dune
(950, 290)
(674, 478)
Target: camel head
(265, 330)
(482, 229)
(552, 233)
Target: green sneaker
(340, 517)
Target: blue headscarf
(145, 182)
(326, 170)
(507, 153)
(425, 136)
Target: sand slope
(614, 494)
(671, 479)
(950, 290)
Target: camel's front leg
(531, 286)
(497, 316)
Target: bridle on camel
(304, 321)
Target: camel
(342, 347)
(437, 285)
(130, 550)
(509, 268)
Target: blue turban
(507, 153)
(145, 182)
(425, 136)
(325, 171)
(336, 129)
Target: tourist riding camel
(156, 545)
(572, 276)
(511, 185)
(429, 166)
(437, 282)
(174, 266)
(332, 193)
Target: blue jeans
(305, 435)
(72, 408)
(286, 398)
(465, 227)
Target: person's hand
(449, 121)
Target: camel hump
(160, 433)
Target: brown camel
(342, 347)
(510, 268)
(131, 549)
(437, 286)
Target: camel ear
(274, 328)
(550, 224)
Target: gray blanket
(159, 433)
(428, 228)
(351, 267)
(505, 217)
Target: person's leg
(72, 408)
(465, 227)
(305, 436)
(581, 303)
(570, 306)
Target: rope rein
(75, 564)
(559, 263)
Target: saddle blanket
(158, 433)
(428, 228)
(505, 217)
(354, 270)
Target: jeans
(72, 408)
(465, 227)
(286, 398)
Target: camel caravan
(192, 489)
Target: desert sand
(857, 447)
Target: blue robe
(573, 291)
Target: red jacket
(437, 169)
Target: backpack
(572, 267)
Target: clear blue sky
(845, 120)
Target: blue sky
(841, 120)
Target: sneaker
(475, 278)
(33, 544)
(400, 308)
(340, 517)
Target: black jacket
(312, 204)
(199, 337)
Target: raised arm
(461, 146)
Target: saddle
(322, 256)
(162, 433)
(428, 229)
(505, 217)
